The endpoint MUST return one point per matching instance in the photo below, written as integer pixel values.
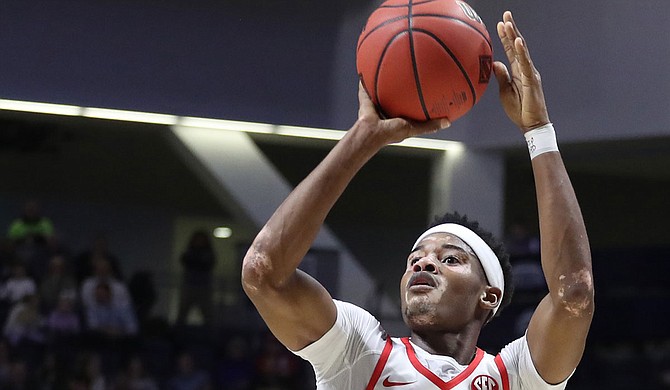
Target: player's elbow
(256, 271)
(575, 294)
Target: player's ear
(490, 298)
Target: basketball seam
(460, 20)
(406, 5)
(415, 68)
(456, 61)
(393, 20)
(386, 22)
(378, 70)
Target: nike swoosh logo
(388, 383)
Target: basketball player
(453, 283)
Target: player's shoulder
(355, 319)
(515, 348)
(522, 372)
(351, 311)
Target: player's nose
(425, 264)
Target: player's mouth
(421, 281)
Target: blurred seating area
(73, 319)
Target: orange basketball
(424, 59)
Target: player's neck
(460, 346)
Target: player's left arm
(558, 329)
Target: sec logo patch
(484, 382)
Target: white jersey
(357, 354)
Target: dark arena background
(128, 126)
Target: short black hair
(496, 245)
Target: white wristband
(541, 140)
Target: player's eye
(450, 260)
(414, 260)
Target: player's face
(442, 284)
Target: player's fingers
(427, 127)
(439, 124)
(510, 32)
(502, 75)
(407, 128)
(365, 105)
(507, 42)
(523, 58)
(507, 17)
(399, 129)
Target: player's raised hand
(521, 91)
(394, 129)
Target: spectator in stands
(24, 322)
(18, 285)
(58, 246)
(135, 377)
(31, 226)
(198, 261)
(31, 234)
(57, 280)
(64, 340)
(63, 320)
(188, 377)
(84, 263)
(103, 273)
(107, 319)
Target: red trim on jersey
(379, 368)
(503, 371)
(479, 355)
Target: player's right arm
(297, 308)
(559, 326)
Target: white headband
(487, 258)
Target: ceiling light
(222, 232)
(208, 123)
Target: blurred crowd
(72, 320)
